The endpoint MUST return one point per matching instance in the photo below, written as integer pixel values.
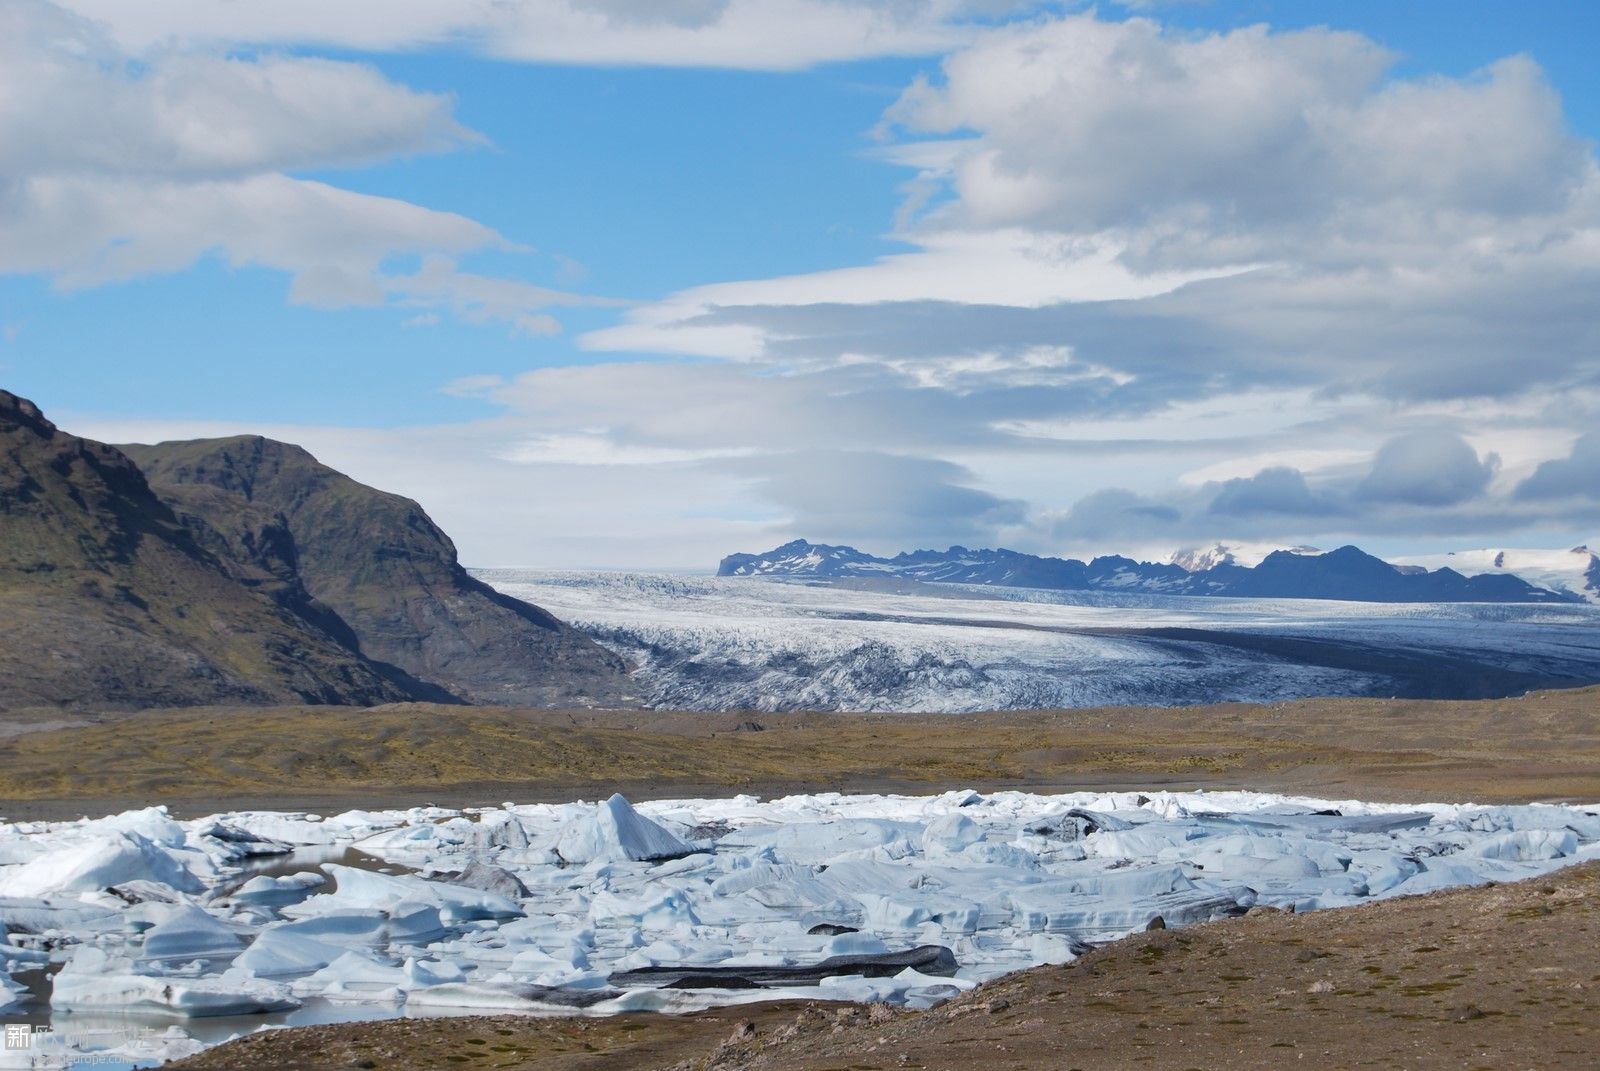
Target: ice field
(734, 643)
(138, 937)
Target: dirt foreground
(1503, 977)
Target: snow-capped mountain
(1296, 573)
(1575, 571)
(1199, 559)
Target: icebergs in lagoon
(540, 906)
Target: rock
(489, 878)
(1157, 923)
(925, 959)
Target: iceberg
(615, 832)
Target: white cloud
(117, 167)
(72, 103)
(749, 34)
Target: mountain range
(243, 571)
(1298, 573)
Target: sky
(640, 283)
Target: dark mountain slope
(107, 600)
(383, 567)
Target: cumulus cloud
(118, 166)
(878, 499)
(1436, 468)
(1574, 476)
(1277, 490)
(1252, 137)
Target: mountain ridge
(108, 600)
(243, 572)
(1344, 573)
(380, 565)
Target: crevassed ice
(675, 904)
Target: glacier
(740, 643)
(251, 920)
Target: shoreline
(1363, 985)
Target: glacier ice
(741, 643)
(611, 907)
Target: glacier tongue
(731, 643)
(680, 904)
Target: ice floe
(678, 904)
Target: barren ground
(1542, 746)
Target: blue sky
(897, 348)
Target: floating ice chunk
(827, 842)
(489, 878)
(1053, 948)
(615, 832)
(265, 891)
(148, 1050)
(363, 889)
(649, 909)
(406, 922)
(1526, 846)
(12, 992)
(1388, 872)
(285, 949)
(357, 975)
(151, 823)
(97, 862)
(42, 914)
(231, 843)
(463, 995)
(950, 833)
(93, 979)
(1142, 842)
(856, 944)
(190, 933)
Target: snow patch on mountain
(1249, 555)
(1576, 570)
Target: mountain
(377, 565)
(1345, 573)
(1576, 571)
(108, 600)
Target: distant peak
(15, 409)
